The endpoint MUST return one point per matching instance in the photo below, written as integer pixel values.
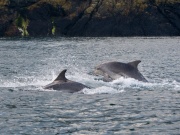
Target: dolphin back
(61, 76)
(63, 84)
(134, 63)
(136, 74)
(115, 70)
(69, 86)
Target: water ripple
(124, 106)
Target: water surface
(124, 106)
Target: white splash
(97, 85)
(101, 90)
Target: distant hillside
(89, 18)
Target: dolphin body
(63, 84)
(114, 70)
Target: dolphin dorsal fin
(61, 76)
(134, 63)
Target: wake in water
(97, 85)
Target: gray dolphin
(63, 84)
(114, 70)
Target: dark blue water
(124, 106)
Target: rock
(89, 18)
(7, 18)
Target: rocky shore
(89, 18)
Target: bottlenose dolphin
(114, 70)
(63, 84)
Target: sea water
(123, 106)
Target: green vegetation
(53, 30)
(22, 25)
